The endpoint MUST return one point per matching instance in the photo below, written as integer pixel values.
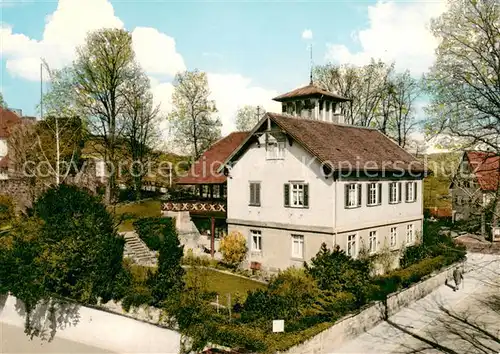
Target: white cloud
(66, 29)
(232, 91)
(156, 51)
(397, 32)
(307, 34)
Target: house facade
(475, 185)
(302, 178)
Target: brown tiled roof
(309, 91)
(346, 147)
(205, 170)
(486, 168)
(8, 119)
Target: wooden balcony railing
(195, 206)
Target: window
(411, 191)
(352, 195)
(351, 245)
(297, 246)
(256, 240)
(373, 241)
(374, 193)
(216, 192)
(394, 192)
(409, 233)
(275, 150)
(296, 195)
(394, 236)
(255, 193)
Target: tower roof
(310, 90)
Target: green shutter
(380, 193)
(415, 191)
(406, 192)
(346, 195)
(257, 193)
(286, 194)
(359, 194)
(400, 192)
(306, 195)
(368, 194)
(251, 194)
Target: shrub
(80, 251)
(168, 281)
(292, 295)
(136, 282)
(7, 212)
(337, 272)
(151, 230)
(233, 248)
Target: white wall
(368, 216)
(106, 331)
(273, 174)
(3, 147)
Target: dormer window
(275, 150)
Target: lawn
(223, 284)
(133, 211)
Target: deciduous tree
(234, 248)
(248, 116)
(193, 122)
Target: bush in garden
(233, 248)
(168, 282)
(337, 272)
(151, 230)
(80, 250)
(7, 212)
(291, 295)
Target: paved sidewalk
(444, 321)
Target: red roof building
(485, 165)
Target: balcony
(196, 206)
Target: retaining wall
(97, 328)
(353, 325)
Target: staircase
(137, 250)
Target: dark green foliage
(20, 272)
(168, 282)
(136, 289)
(151, 230)
(433, 245)
(81, 253)
(337, 272)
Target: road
(445, 321)
(13, 340)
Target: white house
(303, 177)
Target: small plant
(233, 248)
(7, 213)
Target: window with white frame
(372, 241)
(411, 191)
(409, 233)
(351, 245)
(394, 236)
(297, 246)
(352, 195)
(374, 193)
(256, 240)
(394, 192)
(275, 150)
(296, 195)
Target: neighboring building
(302, 178)
(8, 120)
(475, 184)
(206, 204)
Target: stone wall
(355, 324)
(20, 190)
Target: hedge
(151, 230)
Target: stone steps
(137, 250)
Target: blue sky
(251, 50)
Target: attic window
(275, 149)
